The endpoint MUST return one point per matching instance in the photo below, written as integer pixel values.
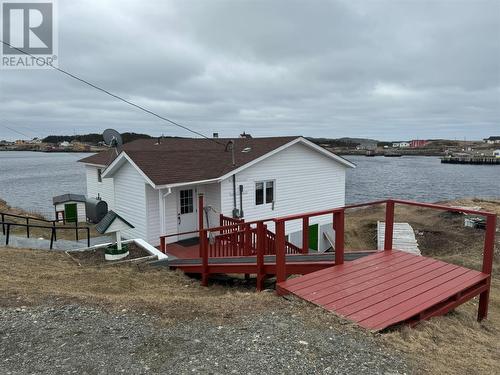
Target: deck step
(388, 288)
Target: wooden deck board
(382, 290)
(342, 277)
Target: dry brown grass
(34, 277)
(66, 234)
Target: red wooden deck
(377, 291)
(388, 288)
(184, 252)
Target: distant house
(417, 143)
(64, 144)
(401, 145)
(493, 140)
(154, 185)
(367, 145)
(496, 153)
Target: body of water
(30, 179)
(419, 178)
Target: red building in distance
(417, 143)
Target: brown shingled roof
(179, 160)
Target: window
(269, 191)
(259, 193)
(99, 175)
(186, 201)
(264, 192)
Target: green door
(313, 237)
(70, 212)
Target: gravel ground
(87, 340)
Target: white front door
(186, 213)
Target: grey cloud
(384, 69)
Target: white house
(493, 140)
(496, 153)
(153, 184)
(401, 144)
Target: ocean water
(419, 178)
(30, 179)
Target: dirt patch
(96, 257)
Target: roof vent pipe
(230, 146)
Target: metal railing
(6, 227)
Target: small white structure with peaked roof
(114, 224)
(70, 207)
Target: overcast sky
(380, 69)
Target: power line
(114, 95)
(15, 131)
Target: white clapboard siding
(104, 189)
(403, 238)
(305, 181)
(130, 200)
(212, 199)
(171, 215)
(153, 216)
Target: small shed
(70, 208)
(113, 223)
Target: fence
(6, 226)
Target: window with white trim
(186, 201)
(264, 192)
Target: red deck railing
(239, 238)
(338, 225)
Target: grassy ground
(454, 344)
(63, 234)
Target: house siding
(130, 200)
(304, 181)
(104, 189)
(171, 215)
(212, 198)
(152, 216)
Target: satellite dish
(112, 138)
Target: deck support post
(305, 235)
(260, 244)
(489, 247)
(389, 225)
(338, 227)
(247, 240)
(280, 251)
(204, 257)
(162, 244)
(203, 242)
(200, 219)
